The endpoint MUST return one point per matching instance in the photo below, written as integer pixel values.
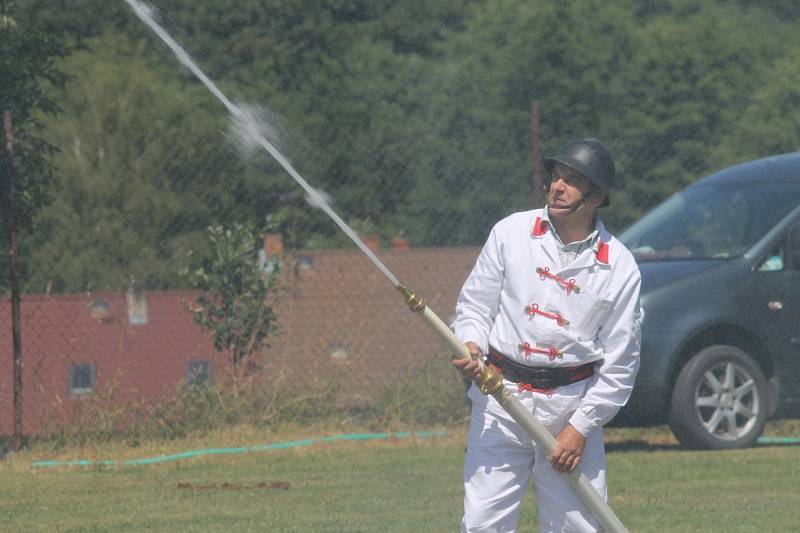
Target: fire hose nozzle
(489, 381)
(413, 301)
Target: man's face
(569, 189)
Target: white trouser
(501, 458)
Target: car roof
(784, 167)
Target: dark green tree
(695, 69)
(351, 80)
(125, 195)
(414, 118)
(661, 85)
(510, 53)
(29, 85)
(770, 124)
(145, 167)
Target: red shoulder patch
(602, 253)
(539, 227)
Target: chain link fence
(110, 340)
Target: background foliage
(414, 117)
(236, 297)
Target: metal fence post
(536, 155)
(13, 276)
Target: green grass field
(382, 485)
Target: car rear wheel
(720, 400)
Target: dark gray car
(720, 265)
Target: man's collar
(593, 233)
(598, 240)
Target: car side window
(785, 255)
(773, 261)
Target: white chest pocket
(584, 311)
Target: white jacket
(519, 300)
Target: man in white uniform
(552, 303)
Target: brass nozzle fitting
(489, 381)
(414, 302)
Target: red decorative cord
(550, 352)
(544, 273)
(527, 387)
(533, 309)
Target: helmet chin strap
(575, 205)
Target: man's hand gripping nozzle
(490, 381)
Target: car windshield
(711, 221)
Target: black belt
(543, 378)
